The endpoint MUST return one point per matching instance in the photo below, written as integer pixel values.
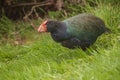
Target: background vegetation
(27, 55)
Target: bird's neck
(61, 33)
(69, 29)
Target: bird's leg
(68, 44)
(75, 40)
(83, 45)
(71, 43)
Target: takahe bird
(79, 31)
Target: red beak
(42, 27)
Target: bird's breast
(60, 36)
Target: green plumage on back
(85, 27)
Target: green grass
(44, 59)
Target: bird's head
(43, 27)
(48, 26)
(56, 28)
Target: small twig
(30, 4)
(23, 10)
(31, 23)
(36, 13)
(32, 9)
(35, 1)
(26, 17)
